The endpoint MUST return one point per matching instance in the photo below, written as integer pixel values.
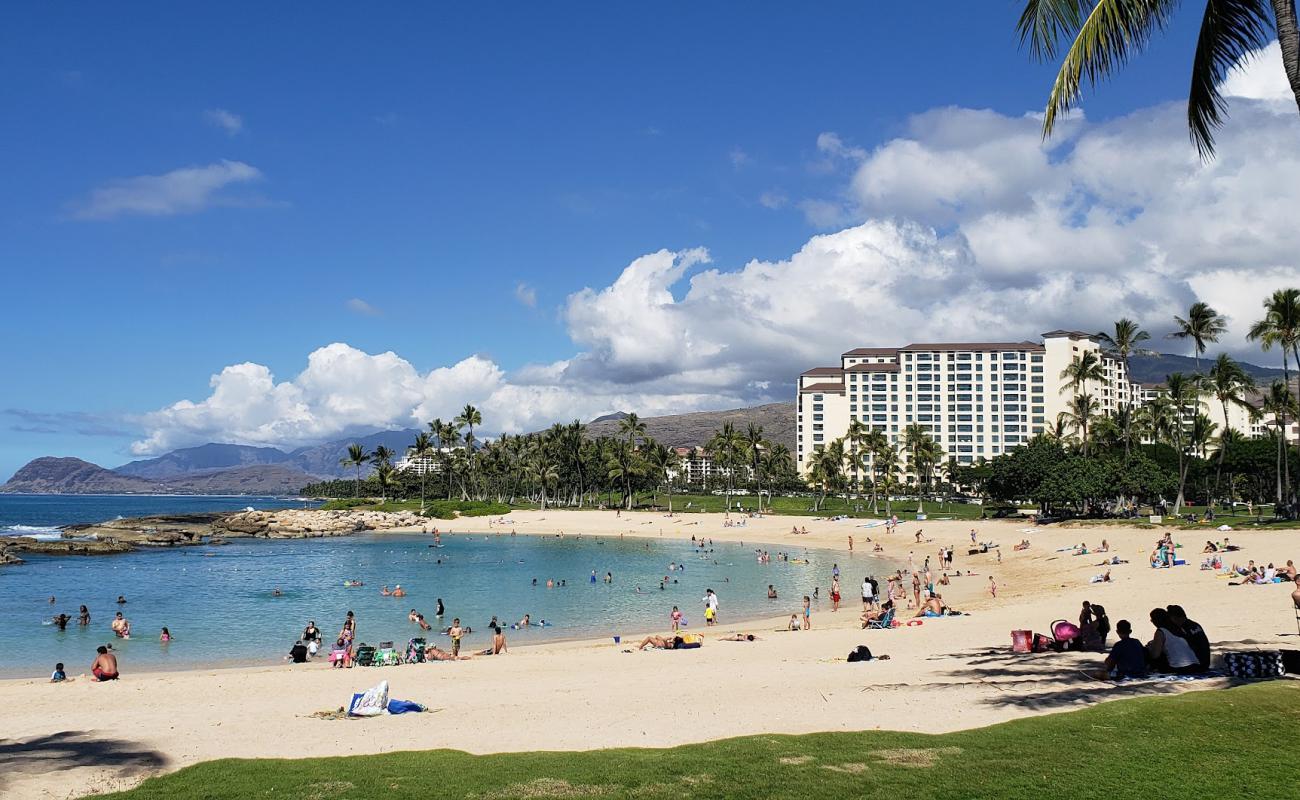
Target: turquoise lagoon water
(218, 603)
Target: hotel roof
(888, 366)
(980, 346)
(822, 371)
(1070, 334)
(871, 351)
(828, 388)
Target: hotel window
(817, 437)
(1036, 378)
(817, 417)
(1037, 359)
(817, 406)
(878, 417)
(817, 427)
(817, 398)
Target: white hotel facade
(977, 400)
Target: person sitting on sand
(1210, 547)
(58, 675)
(795, 624)
(298, 653)
(1289, 571)
(104, 667)
(1127, 659)
(739, 637)
(339, 654)
(661, 642)
(498, 643)
(1167, 651)
(1024, 545)
(932, 607)
(1193, 633)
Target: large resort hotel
(978, 400)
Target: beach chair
(415, 651)
(387, 656)
(365, 656)
(885, 622)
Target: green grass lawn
(1235, 743)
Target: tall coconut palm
(386, 476)
(448, 441)
(1079, 415)
(1125, 341)
(1085, 367)
(1280, 403)
(1183, 393)
(1106, 33)
(1229, 383)
(422, 453)
(753, 443)
(827, 469)
(1202, 324)
(542, 469)
(884, 465)
(633, 428)
(662, 461)
(356, 458)
(382, 455)
(916, 441)
(469, 417)
(621, 464)
(855, 437)
(1281, 327)
(874, 443)
(725, 447)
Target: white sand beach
(943, 675)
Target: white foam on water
(34, 531)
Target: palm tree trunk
(1288, 36)
(1223, 449)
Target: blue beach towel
(403, 706)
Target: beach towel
(370, 703)
(404, 706)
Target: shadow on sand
(72, 749)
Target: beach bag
(1022, 641)
(1291, 661)
(1042, 643)
(370, 703)
(860, 653)
(1255, 665)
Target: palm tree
(1202, 324)
(826, 470)
(1125, 341)
(1281, 326)
(422, 453)
(382, 455)
(1182, 392)
(448, 441)
(621, 465)
(663, 462)
(1229, 383)
(357, 457)
(753, 443)
(874, 443)
(1079, 414)
(1280, 403)
(1085, 367)
(543, 470)
(725, 448)
(633, 428)
(885, 466)
(469, 417)
(856, 437)
(1108, 34)
(917, 441)
(386, 476)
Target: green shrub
(345, 503)
(450, 509)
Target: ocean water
(39, 515)
(218, 602)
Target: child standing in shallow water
(807, 613)
(676, 617)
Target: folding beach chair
(415, 651)
(365, 656)
(884, 623)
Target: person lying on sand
(661, 642)
(739, 637)
(435, 653)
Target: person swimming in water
(440, 610)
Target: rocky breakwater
(305, 524)
(165, 530)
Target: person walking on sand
(807, 613)
(710, 608)
(850, 543)
(993, 588)
(835, 593)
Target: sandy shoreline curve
(944, 675)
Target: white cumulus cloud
(228, 121)
(968, 227)
(182, 191)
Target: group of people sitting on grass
(1179, 646)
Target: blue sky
(461, 171)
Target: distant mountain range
(1154, 368)
(244, 469)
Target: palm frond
(1229, 30)
(1044, 23)
(1108, 37)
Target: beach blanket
(1164, 678)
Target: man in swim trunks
(455, 633)
(121, 626)
(104, 667)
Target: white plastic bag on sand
(1225, 528)
(371, 703)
